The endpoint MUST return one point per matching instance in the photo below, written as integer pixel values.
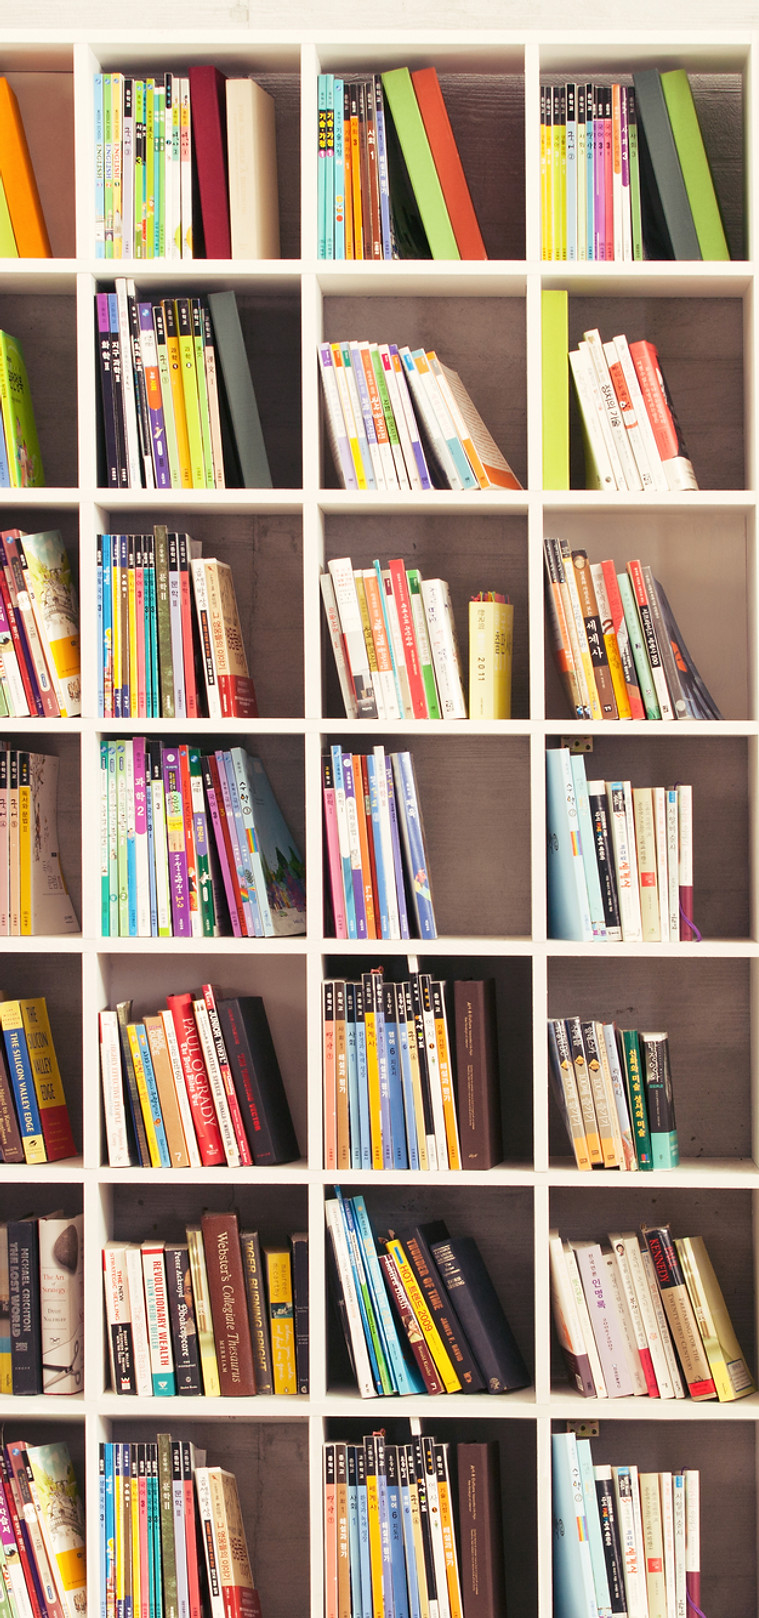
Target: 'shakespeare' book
(206, 1314)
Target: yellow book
(8, 248)
(453, 1583)
(545, 238)
(190, 392)
(132, 626)
(142, 1091)
(491, 635)
(25, 843)
(372, 1070)
(375, 1529)
(578, 621)
(446, 1079)
(22, 1082)
(203, 1318)
(434, 1341)
(177, 393)
(366, 625)
(281, 1322)
(731, 1374)
(48, 1085)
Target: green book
(21, 441)
(638, 647)
(8, 248)
(232, 361)
(555, 380)
(200, 369)
(633, 158)
(166, 1498)
(636, 1098)
(694, 164)
(401, 99)
(419, 615)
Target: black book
(417, 1244)
(258, 1081)
(258, 1318)
(140, 389)
(184, 1331)
(610, 1538)
(123, 1014)
(415, 1456)
(108, 454)
(668, 228)
(408, 231)
(478, 1307)
(24, 1290)
(299, 1243)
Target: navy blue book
(478, 1307)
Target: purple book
(153, 390)
(599, 176)
(106, 391)
(236, 832)
(397, 859)
(221, 847)
(357, 874)
(175, 839)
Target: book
(234, 1354)
(731, 1374)
(22, 447)
(477, 1304)
(19, 184)
(252, 158)
(403, 107)
(209, 138)
(679, 1311)
(448, 164)
(234, 372)
(61, 1279)
(491, 631)
(258, 1081)
(477, 1073)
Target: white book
(118, 1315)
(157, 1312)
(140, 1339)
(174, 166)
(252, 157)
(692, 1522)
(436, 1529)
(678, 1519)
(163, 894)
(444, 646)
(386, 838)
(660, 834)
(401, 451)
(641, 414)
(114, 1111)
(627, 246)
(663, 1326)
(203, 615)
(220, 1101)
(209, 1540)
(357, 376)
(630, 420)
(185, 163)
(685, 841)
(620, 1145)
(136, 468)
(605, 1322)
(62, 1303)
(180, 1549)
(668, 1541)
(416, 462)
(673, 865)
(141, 851)
(619, 1246)
(625, 864)
(591, 1347)
(625, 1489)
(619, 1292)
(357, 414)
(336, 639)
(335, 402)
(395, 637)
(183, 1100)
(127, 171)
(428, 417)
(436, 1091)
(612, 425)
(387, 685)
(601, 473)
(565, 1312)
(363, 357)
(339, 1239)
(620, 1097)
(341, 573)
(642, 1597)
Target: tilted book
(479, 1309)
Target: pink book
(334, 863)
(221, 847)
(209, 139)
(406, 621)
(139, 614)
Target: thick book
(234, 371)
(24, 1285)
(479, 1309)
(252, 156)
(483, 1587)
(679, 1311)
(239, 1596)
(54, 1480)
(184, 1332)
(417, 1241)
(573, 1587)
(258, 1319)
(61, 1303)
(660, 1101)
(727, 1363)
(403, 108)
(54, 1118)
(447, 160)
(209, 140)
(655, 130)
(234, 1354)
(478, 1080)
(258, 1081)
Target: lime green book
(694, 164)
(8, 248)
(555, 378)
(401, 99)
(21, 441)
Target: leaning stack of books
(418, 1308)
(398, 419)
(178, 407)
(624, 172)
(378, 870)
(195, 1084)
(645, 1317)
(42, 1529)
(620, 858)
(34, 1120)
(390, 183)
(215, 1313)
(614, 1092)
(42, 1305)
(162, 872)
(633, 439)
(625, 1541)
(394, 640)
(171, 1525)
(158, 141)
(149, 640)
(617, 646)
(33, 894)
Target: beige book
(252, 154)
(732, 1377)
(167, 1095)
(234, 1567)
(645, 846)
(653, 1544)
(203, 1318)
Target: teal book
(574, 1594)
(636, 1097)
(592, 1517)
(638, 647)
(588, 845)
(568, 908)
(401, 102)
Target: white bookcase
(482, 785)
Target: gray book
(665, 164)
(238, 387)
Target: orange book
(447, 161)
(19, 184)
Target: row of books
(34, 1121)
(377, 864)
(217, 1314)
(633, 440)
(624, 172)
(614, 1092)
(625, 1541)
(42, 1305)
(197, 1084)
(40, 675)
(620, 858)
(172, 1536)
(23, 233)
(394, 1078)
(34, 898)
(157, 659)
(42, 1532)
(390, 183)
(159, 141)
(398, 419)
(418, 1308)
(394, 1540)
(178, 409)
(645, 1317)
(164, 874)
(616, 643)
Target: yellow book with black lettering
(142, 1091)
(279, 1277)
(190, 392)
(51, 1100)
(177, 393)
(25, 843)
(22, 1081)
(203, 1317)
(413, 1291)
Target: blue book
(386, 1119)
(395, 1521)
(415, 855)
(445, 423)
(152, 1090)
(407, 1380)
(415, 1608)
(568, 909)
(573, 1588)
(245, 880)
(338, 110)
(595, 1539)
(394, 1080)
(99, 168)
(336, 755)
(356, 870)
(372, 765)
(388, 1580)
(395, 839)
(354, 1530)
(412, 1141)
(351, 1051)
(366, 1609)
(22, 1079)
(363, 445)
(588, 845)
(363, 1082)
(372, 1335)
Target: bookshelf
(482, 785)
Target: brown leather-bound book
(229, 1310)
(482, 1575)
(478, 1089)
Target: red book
(666, 427)
(226, 1075)
(11, 1501)
(185, 605)
(410, 649)
(410, 1324)
(196, 1079)
(450, 173)
(229, 1310)
(209, 139)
